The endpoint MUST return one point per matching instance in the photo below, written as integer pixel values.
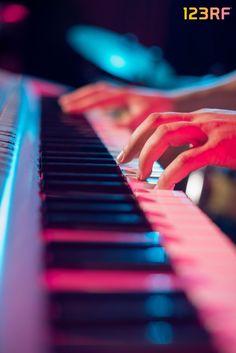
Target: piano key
(116, 221)
(88, 207)
(53, 152)
(137, 239)
(73, 159)
(91, 197)
(75, 255)
(7, 133)
(7, 139)
(70, 203)
(108, 281)
(71, 139)
(63, 344)
(78, 308)
(6, 146)
(156, 334)
(63, 134)
(6, 152)
(74, 147)
(81, 176)
(86, 185)
(81, 168)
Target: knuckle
(201, 111)
(184, 158)
(163, 129)
(152, 118)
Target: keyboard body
(93, 260)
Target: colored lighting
(114, 53)
(13, 13)
(160, 333)
(117, 61)
(159, 306)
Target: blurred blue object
(124, 57)
(120, 55)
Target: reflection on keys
(89, 192)
(95, 260)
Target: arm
(218, 93)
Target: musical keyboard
(94, 260)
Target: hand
(210, 133)
(139, 103)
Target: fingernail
(120, 157)
(139, 175)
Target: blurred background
(33, 37)
(40, 38)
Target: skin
(139, 104)
(210, 133)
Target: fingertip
(164, 184)
(140, 176)
(120, 157)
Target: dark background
(37, 45)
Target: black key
(74, 147)
(158, 334)
(106, 256)
(70, 139)
(54, 153)
(83, 159)
(80, 168)
(99, 221)
(81, 176)
(77, 308)
(86, 185)
(90, 198)
(88, 207)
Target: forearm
(219, 93)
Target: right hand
(211, 133)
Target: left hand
(138, 103)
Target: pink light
(13, 13)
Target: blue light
(154, 237)
(156, 254)
(117, 61)
(159, 306)
(8, 191)
(160, 333)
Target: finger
(100, 100)
(83, 92)
(144, 131)
(158, 105)
(134, 119)
(184, 164)
(172, 134)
